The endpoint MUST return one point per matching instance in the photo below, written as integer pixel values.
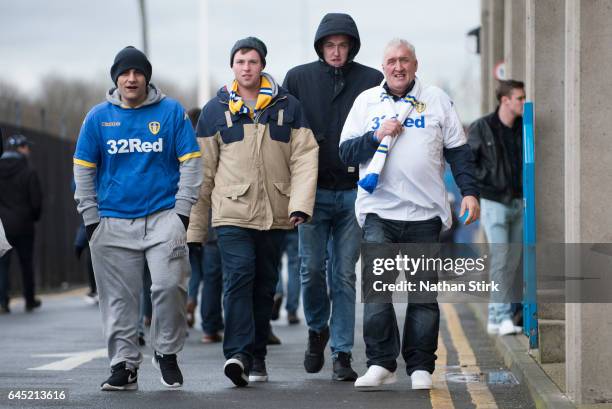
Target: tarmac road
(64, 337)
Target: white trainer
(421, 380)
(492, 329)
(375, 376)
(507, 327)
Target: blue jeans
(333, 220)
(290, 247)
(422, 324)
(250, 269)
(206, 269)
(503, 224)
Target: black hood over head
(12, 163)
(337, 23)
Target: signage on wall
(499, 71)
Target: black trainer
(342, 368)
(32, 305)
(121, 379)
(276, 306)
(236, 368)
(292, 318)
(258, 371)
(170, 371)
(314, 357)
(272, 339)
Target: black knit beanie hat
(250, 42)
(128, 58)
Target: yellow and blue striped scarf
(237, 105)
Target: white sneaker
(376, 376)
(91, 298)
(258, 371)
(492, 329)
(507, 327)
(421, 380)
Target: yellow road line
(440, 396)
(479, 392)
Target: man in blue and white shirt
(409, 203)
(137, 172)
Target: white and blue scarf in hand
(370, 180)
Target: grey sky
(81, 37)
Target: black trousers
(23, 245)
(422, 324)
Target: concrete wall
(588, 166)
(496, 46)
(491, 50)
(544, 81)
(485, 69)
(514, 38)
(566, 56)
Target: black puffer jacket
(20, 195)
(314, 83)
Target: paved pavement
(66, 333)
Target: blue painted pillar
(530, 307)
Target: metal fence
(54, 259)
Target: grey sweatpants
(118, 251)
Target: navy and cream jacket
(257, 171)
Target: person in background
(4, 244)
(20, 209)
(497, 145)
(205, 261)
(146, 306)
(290, 248)
(81, 245)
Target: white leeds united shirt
(410, 186)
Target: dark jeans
(250, 270)
(380, 329)
(24, 246)
(206, 269)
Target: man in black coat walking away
(20, 208)
(327, 89)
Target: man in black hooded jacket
(327, 89)
(20, 208)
